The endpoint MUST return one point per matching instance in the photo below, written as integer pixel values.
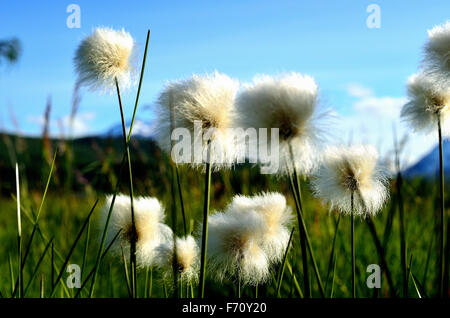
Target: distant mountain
(428, 166)
(140, 129)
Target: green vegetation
(95, 167)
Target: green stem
(86, 246)
(19, 234)
(133, 238)
(330, 263)
(402, 235)
(239, 287)
(201, 286)
(381, 254)
(441, 201)
(175, 273)
(151, 283)
(180, 194)
(139, 85)
(283, 264)
(353, 246)
(308, 242)
(302, 238)
(105, 232)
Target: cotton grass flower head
(151, 232)
(437, 52)
(103, 56)
(428, 101)
(288, 102)
(347, 170)
(204, 99)
(273, 233)
(187, 261)
(233, 248)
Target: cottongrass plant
(151, 232)
(103, 61)
(351, 180)
(248, 237)
(289, 103)
(427, 110)
(207, 101)
(186, 260)
(234, 249)
(103, 57)
(437, 53)
(276, 218)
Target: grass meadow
(91, 166)
(118, 217)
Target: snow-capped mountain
(428, 166)
(140, 129)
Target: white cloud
(372, 120)
(357, 90)
(60, 127)
(367, 102)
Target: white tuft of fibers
(290, 103)
(151, 232)
(187, 261)
(428, 100)
(103, 56)
(352, 169)
(207, 100)
(437, 52)
(233, 248)
(273, 233)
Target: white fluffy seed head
(151, 232)
(187, 259)
(428, 99)
(234, 250)
(352, 169)
(273, 232)
(103, 56)
(208, 100)
(289, 103)
(437, 52)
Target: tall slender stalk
(238, 290)
(180, 194)
(95, 268)
(105, 231)
(332, 254)
(401, 219)
(72, 248)
(283, 264)
(175, 271)
(298, 192)
(133, 236)
(302, 239)
(19, 232)
(308, 242)
(201, 286)
(174, 208)
(352, 231)
(381, 254)
(441, 201)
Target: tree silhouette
(10, 50)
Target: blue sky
(361, 71)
